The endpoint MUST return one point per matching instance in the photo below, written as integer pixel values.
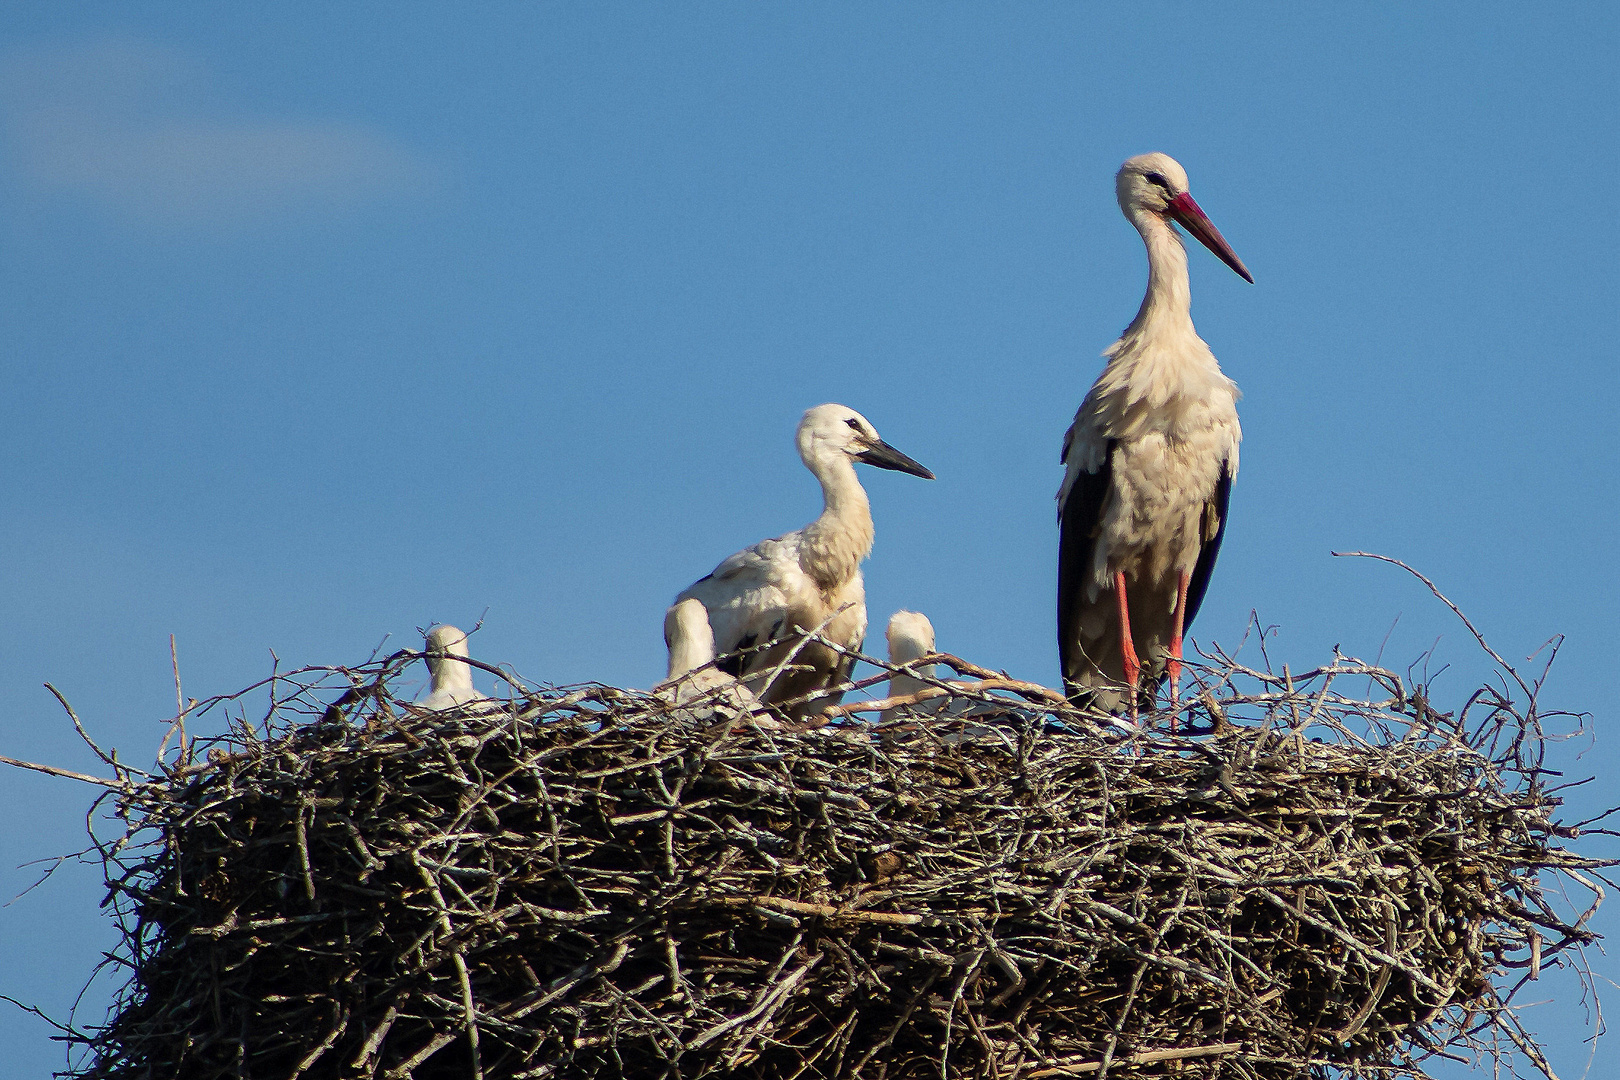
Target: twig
(589, 881)
(1142, 1057)
(1455, 610)
(69, 774)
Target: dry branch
(590, 882)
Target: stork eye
(855, 424)
(1157, 178)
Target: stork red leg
(1175, 646)
(1127, 646)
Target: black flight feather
(1212, 547)
(1079, 518)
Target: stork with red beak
(1149, 465)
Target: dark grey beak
(885, 456)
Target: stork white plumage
(452, 683)
(688, 637)
(692, 674)
(911, 637)
(764, 599)
(1150, 460)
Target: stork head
(830, 432)
(1157, 184)
(688, 637)
(445, 644)
(910, 636)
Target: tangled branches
(593, 882)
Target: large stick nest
(597, 883)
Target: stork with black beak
(1150, 460)
(765, 600)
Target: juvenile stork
(764, 599)
(692, 674)
(452, 676)
(1149, 465)
(911, 637)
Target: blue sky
(321, 326)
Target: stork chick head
(1156, 185)
(910, 636)
(443, 643)
(830, 433)
(688, 636)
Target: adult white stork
(764, 599)
(692, 674)
(452, 683)
(1150, 460)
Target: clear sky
(323, 323)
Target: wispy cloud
(140, 130)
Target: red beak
(1190, 216)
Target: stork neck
(841, 490)
(1168, 303)
(687, 653)
(449, 673)
(904, 649)
(837, 541)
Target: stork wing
(1084, 496)
(1214, 528)
(747, 597)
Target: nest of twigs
(596, 883)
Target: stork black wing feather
(733, 662)
(1212, 547)
(1079, 518)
